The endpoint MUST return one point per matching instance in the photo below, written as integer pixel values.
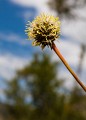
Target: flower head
(44, 29)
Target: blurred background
(34, 84)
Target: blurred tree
(34, 94)
(77, 104)
(41, 85)
(61, 7)
(16, 107)
(65, 8)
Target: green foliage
(40, 83)
(34, 94)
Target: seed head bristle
(44, 29)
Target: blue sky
(12, 24)
(16, 51)
(12, 19)
(13, 43)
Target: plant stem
(67, 66)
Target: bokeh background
(34, 84)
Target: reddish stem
(67, 66)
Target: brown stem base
(67, 66)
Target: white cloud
(9, 64)
(75, 29)
(13, 38)
(69, 81)
(27, 2)
(26, 15)
(71, 52)
(41, 5)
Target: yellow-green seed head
(44, 29)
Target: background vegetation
(36, 92)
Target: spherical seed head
(44, 29)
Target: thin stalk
(67, 66)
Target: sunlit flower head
(44, 29)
